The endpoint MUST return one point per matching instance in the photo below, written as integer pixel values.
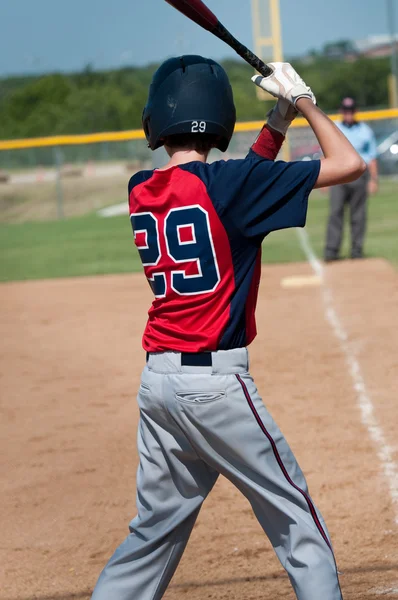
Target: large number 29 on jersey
(187, 246)
(177, 251)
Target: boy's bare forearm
(331, 140)
(342, 162)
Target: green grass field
(92, 245)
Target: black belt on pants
(193, 359)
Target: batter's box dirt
(64, 512)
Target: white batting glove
(281, 116)
(284, 83)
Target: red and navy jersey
(199, 228)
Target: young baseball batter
(199, 229)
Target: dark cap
(348, 104)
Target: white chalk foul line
(364, 401)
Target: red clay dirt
(70, 365)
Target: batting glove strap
(281, 116)
(284, 83)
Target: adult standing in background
(356, 193)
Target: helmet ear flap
(146, 125)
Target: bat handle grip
(253, 60)
(263, 69)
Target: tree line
(94, 101)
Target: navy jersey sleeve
(261, 196)
(138, 178)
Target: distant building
(375, 46)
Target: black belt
(193, 359)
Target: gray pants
(195, 423)
(355, 194)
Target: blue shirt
(362, 138)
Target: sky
(38, 36)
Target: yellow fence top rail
(369, 115)
(71, 140)
(138, 134)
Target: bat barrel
(198, 12)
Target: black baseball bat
(198, 12)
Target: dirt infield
(70, 366)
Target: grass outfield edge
(91, 245)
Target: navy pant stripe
(280, 462)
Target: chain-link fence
(68, 179)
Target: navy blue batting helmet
(189, 94)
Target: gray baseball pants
(195, 423)
(355, 194)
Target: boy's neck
(181, 157)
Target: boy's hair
(200, 142)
